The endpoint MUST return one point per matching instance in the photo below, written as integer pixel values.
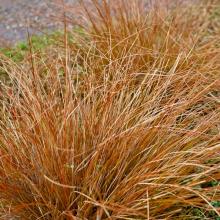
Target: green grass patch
(18, 52)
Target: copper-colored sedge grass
(122, 123)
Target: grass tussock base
(120, 123)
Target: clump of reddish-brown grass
(122, 123)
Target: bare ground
(18, 17)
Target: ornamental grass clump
(122, 122)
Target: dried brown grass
(121, 123)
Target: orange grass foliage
(121, 123)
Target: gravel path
(37, 15)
